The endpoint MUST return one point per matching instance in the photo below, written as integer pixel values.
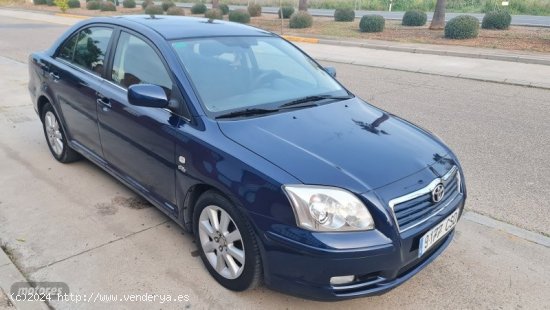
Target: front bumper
(301, 263)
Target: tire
(55, 136)
(245, 274)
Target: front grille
(417, 207)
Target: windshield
(239, 73)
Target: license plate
(435, 234)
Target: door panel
(76, 95)
(139, 143)
(75, 77)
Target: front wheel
(226, 242)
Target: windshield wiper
(312, 99)
(246, 112)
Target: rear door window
(91, 47)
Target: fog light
(341, 280)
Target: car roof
(181, 27)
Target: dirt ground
(516, 38)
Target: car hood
(348, 144)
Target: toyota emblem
(438, 192)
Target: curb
(302, 39)
(508, 228)
(9, 274)
(72, 15)
(501, 57)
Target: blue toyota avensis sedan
(283, 175)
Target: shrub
(214, 14)
(153, 9)
(92, 5)
(224, 8)
(107, 6)
(73, 4)
(287, 11)
(129, 4)
(414, 18)
(372, 23)
(167, 4)
(175, 11)
(63, 5)
(146, 3)
(254, 9)
(462, 27)
(39, 2)
(50, 2)
(239, 16)
(300, 19)
(344, 15)
(496, 20)
(198, 8)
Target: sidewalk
(505, 72)
(442, 50)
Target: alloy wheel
(53, 132)
(221, 242)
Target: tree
(215, 4)
(438, 20)
(302, 5)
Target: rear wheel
(226, 242)
(55, 136)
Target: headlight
(322, 208)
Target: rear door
(76, 78)
(139, 142)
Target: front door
(138, 142)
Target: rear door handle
(54, 76)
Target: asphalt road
(74, 223)
(527, 20)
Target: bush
(198, 8)
(372, 23)
(224, 8)
(39, 2)
(239, 16)
(50, 2)
(300, 19)
(107, 6)
(214, 14)
(344, 15)
(462, 27)
(73, 4)
(496, 20)
(92, 5)
(287, 11)
(154, 9)
(414, 18)
(63, 5)
(146, 3)
(175, 11)
(129, 4)
(167, 4)
(255, 10)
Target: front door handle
(104, 102)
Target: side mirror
(331, 71)
(147, 95)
